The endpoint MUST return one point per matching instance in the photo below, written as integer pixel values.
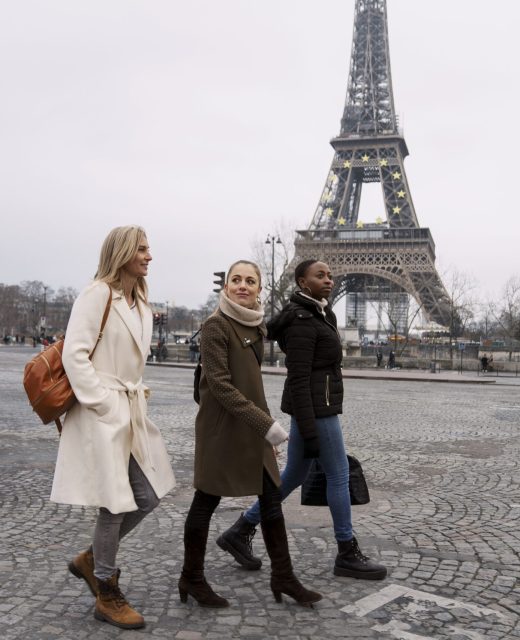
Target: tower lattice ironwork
(393, 254)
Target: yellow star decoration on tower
(383, 162)
(341, 220)
(397, 210)
(379, 220)
(396, 175)
(359, 224)
(400, 194)
(365, 158)
(328, 211)
(347, 164)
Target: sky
(208, 123)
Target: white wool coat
(109, 422)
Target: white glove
(276, 434)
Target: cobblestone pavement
(442, 463)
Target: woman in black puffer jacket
(306, 331)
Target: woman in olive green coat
(234, 439)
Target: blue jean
(333, 460)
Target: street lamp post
(43, 319)
(272, 241)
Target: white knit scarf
(248, 317)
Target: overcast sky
(208, 122)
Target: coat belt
(137, 394)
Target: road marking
(420, 601)
(400, 630)
(514, 407)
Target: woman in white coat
(111, 455)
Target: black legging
(204, 504)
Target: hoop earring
(258, 300)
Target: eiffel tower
(392, 257)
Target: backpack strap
(103, 323)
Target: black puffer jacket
(314, 384)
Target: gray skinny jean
(112, 527)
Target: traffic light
(164, 318)
(220, 280)
(156, 319)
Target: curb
(355, 375)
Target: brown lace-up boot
(112, 606)
(82, 566)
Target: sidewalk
(408, 375)
(374, 373)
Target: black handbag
(314, 489)
(357, 483)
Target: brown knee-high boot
(192, 580)
(283, 579)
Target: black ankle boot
(350, 562)
(238, 541)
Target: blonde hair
(118, 248)
(251, 264)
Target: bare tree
(13, 314)
(32, 288)
(460, 287)
(393, 319)
(207, 308)
(22, 307)
(485, 322)
(283, 253)
(59, 308)
(65, 296)
(507, 312)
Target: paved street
(442, 463)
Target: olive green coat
(233, 418)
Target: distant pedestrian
(391, 360)
(194, 351)
(379, 357)
(111, 455)
(484, 361)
